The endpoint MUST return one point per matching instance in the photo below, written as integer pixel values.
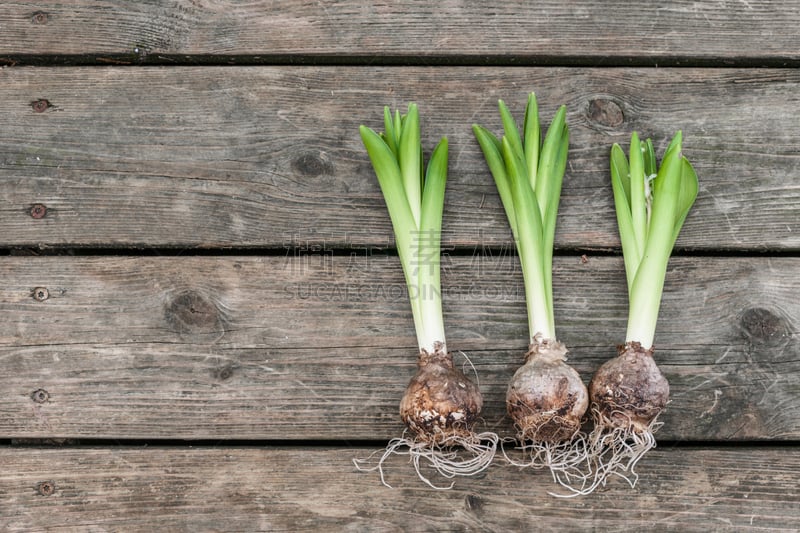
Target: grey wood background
(312, 489)
(321, 347)
(267, 157)
(202, 316)
(612, 32)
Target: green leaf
(397, 128)
(620, 169)
(511, 131)
(529, 245)
(621, 188)
(409, 157)
(390, 180)
(553, 154)
(638, 198)
(433, 195)
(686, 197)
(548, 192)
(389, 135)
(666, 190)
(650, 162)
(491, 147)
(532, 138)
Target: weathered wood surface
(271, 157)
(514, 31)
(318, 345)
(314, 489)
(321, 347)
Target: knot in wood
(605, 112)
(312, 164)
(191, 312)
(223, 373)
(762, 326)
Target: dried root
(614, 451)
(569, 461)
(454, 456)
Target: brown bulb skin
(440, 402)
(629, 390)
(546, 397)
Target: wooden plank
(598, 31)
(322, 347)
(314, 489)
(271, 157)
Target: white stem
(432, 330)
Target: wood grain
(270, 157)
(514, 31)
(306, 336)
(313, 489)
(321, 347)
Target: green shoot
(415, 203)
(651, 208)
(528, 175)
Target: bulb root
(627, 395)
(615, 450)
(439, 409)
(547, 400)
(456, 455)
